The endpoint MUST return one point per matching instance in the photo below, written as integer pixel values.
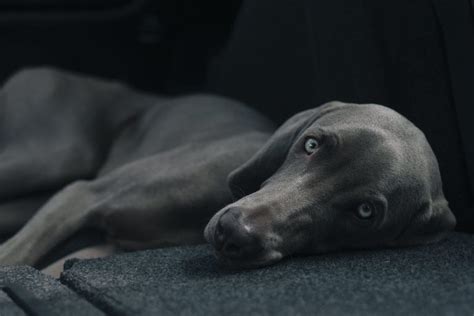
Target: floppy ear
(431, 223)
(247, 178)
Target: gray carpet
(431, 280)
(26, 291)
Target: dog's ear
(431, 223)
(247, 178)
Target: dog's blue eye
(365, 211)
(311, 145)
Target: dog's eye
(365, 211)
(311, 145)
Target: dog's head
(336, 177)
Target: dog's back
(174, 122)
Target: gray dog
(153, 171)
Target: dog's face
(336, 177)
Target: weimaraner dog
(153, 171)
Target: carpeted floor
(431, 280)
(26, 291)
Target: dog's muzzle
(233, 239)
(236, 243)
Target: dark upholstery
(26, 291)
(429, 280)
(432, 280)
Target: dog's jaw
(267, 258)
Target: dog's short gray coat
(153, 171)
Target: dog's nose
(233, 238)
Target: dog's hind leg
(64, 214)
(161, 199)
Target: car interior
(279, 57)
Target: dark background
(416, 56)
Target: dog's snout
(234, 239)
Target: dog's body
(153, 171)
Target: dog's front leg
(63, 215)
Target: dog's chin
(267, 258)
